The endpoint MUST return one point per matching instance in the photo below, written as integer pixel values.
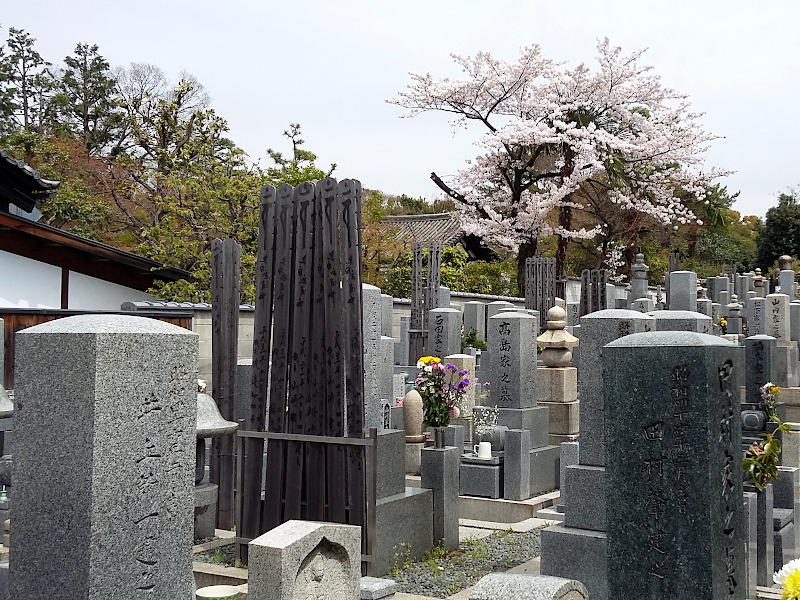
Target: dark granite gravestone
(760, 361)
(675, 522)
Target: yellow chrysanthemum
(430, 359)
(791, 586)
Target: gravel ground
(441, 574)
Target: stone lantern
(210, 424)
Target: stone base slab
(484, 481)
(576, 554)
(545, 463)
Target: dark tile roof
(22, 185)
(441, 227)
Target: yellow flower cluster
(428, 360)
(791, 586)
(771, 388)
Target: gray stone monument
(794, 320)
(757, 316)
(778, 316)
(444, 297)
(778, 326)
(786, 281)
(444, 332)
(401, 347)
(373, 358)
(683, 290)
(387, 304)
(475, 317)
(760, 365)
(685, 535)
(512, 359)
(104, 459)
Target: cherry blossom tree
(552, 131)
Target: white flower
(428, 369)
(792, 565)
(420, 364)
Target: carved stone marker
(304, 559)
(673, 441)
(105, 452)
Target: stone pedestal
(482, 477)
(579, 552)
(205, 509)
(440, 473)
(413, 457)
(557, 390)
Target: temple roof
(22, 185)
(440, 227)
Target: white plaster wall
(90, 293)
(201, 325)
(26, 283)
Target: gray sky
(329, 65)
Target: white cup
(483, 450)
(223, 592)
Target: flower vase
(438, 437)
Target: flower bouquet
(769, 396)
(442, 388)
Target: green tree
(21, 67)
(781, 233)
(300, 167)
(86, 99)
